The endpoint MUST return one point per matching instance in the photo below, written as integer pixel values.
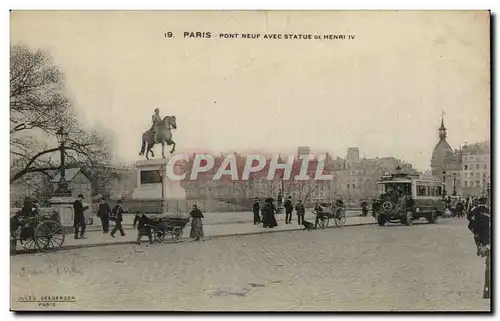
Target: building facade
(355, 178)
(78, 182)
(466, 171)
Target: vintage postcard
(250, 160)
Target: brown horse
(163, 136)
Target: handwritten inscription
(255, 36)
(71, 270)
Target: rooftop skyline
(383, 92)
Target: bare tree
(304, 189)
(38, 108)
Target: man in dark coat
(301, 212)
(256, 211)
(27, 210)
(144, 228)
(319, 214)
(479, 225)
(79, 217)
(117, 213)
(288, 210)
(364, 208)
(103, 212)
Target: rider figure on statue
(156, 123)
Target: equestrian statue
(160, 132)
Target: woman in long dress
(270, 210)
(196, 223)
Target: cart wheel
(29, 244)
(159, 236)
(49, 235)
(321, 223)
(408, 220)
(340, 218)
(176, 234)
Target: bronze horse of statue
(164, 135)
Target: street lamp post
(162, 175)
(454, 184)
(28, 183)
(62, 187)
(444, 182)
(484, 185)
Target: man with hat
(117, 215)
(79, 217)
(156, 122)
(479, 225)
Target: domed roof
(441, 152)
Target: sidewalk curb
(278, 231)
(267, 231)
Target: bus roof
(425, 182)
(394, 181)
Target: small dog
(307, 225)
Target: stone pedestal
(64, 206)
(149, 182)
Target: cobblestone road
(422, 267)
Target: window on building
(466, 183)
(477, 166)
(354, 186)
(485, 166)
(478, 174)
(478, 183)
(466, 167)
(347, 186)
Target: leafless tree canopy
(39, 106)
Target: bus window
(380, 189)
(439, 190)
(427, 191)
(420, 190)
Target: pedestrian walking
(144, 228)
(301, 212)
(288, 210)
(103, 212)
(117, 216)
(79, 218)
(318, 209)
(137, 217)
(196, 223)
(256, 211)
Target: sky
(383, 92)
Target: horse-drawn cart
(37, 233)
(335, 212)
(164, 225)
